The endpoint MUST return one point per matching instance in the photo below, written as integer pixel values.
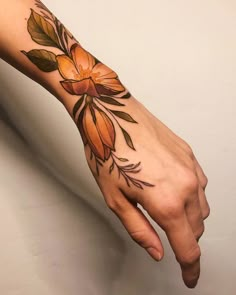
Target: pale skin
(176, 199)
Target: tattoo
(97, 87)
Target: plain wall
(57, 236)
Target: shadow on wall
(49, 131)
(51, 238)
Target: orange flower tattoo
(98, 89)
(98, 131)
(83, 75)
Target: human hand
(176, 201)
(134, 158)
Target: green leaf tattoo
(97, 88)
(128, 139)
(43, 59)
(41, 31)
(123, 116)
(110, 100)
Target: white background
(57, 236)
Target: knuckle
(139, 236)
(188, 149)
(199, 232)
(111, 204)
(171, 210)
(206, 212)
(114, 204)
(190, 257)
(204, 181)
(190, 182)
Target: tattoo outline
(97, 86)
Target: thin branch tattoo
(96, 86)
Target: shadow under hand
(51, 239)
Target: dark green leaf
(91, 155)
(97, 169)
(132, 166)
(65, 37)
(110, 100)
(93, 113)
(43, 59)
(148, 184)
(41, 31)
(60, 27)
(77, 105)
(111, 167)
(124, 116)
(137, 184)
(79, 124)
(128, 139)
(133, 171)
(99, 163)
(123, 159)
(126, 179)
(127, 95)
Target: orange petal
(85, 86)
(92, 135)
(66, 67)
(106, 79)
(105, 128)
(113, 84)
(101, 89)
(103, 71)
(82, 58)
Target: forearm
(33, 40)
(16, 39)
(38, 44)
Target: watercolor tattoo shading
(97, 87)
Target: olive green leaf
(110, 100)
(128, 139)
(127, 95)
(41, 31)
(123, 159)
(111, 167)
(77, 105)
(79, 124)
(124, 116)
(43, 59)
(147, 184)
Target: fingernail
(192, 285)
(154, 253)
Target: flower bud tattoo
(97, 87)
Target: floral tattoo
(97, 87)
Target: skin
(176, 202)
